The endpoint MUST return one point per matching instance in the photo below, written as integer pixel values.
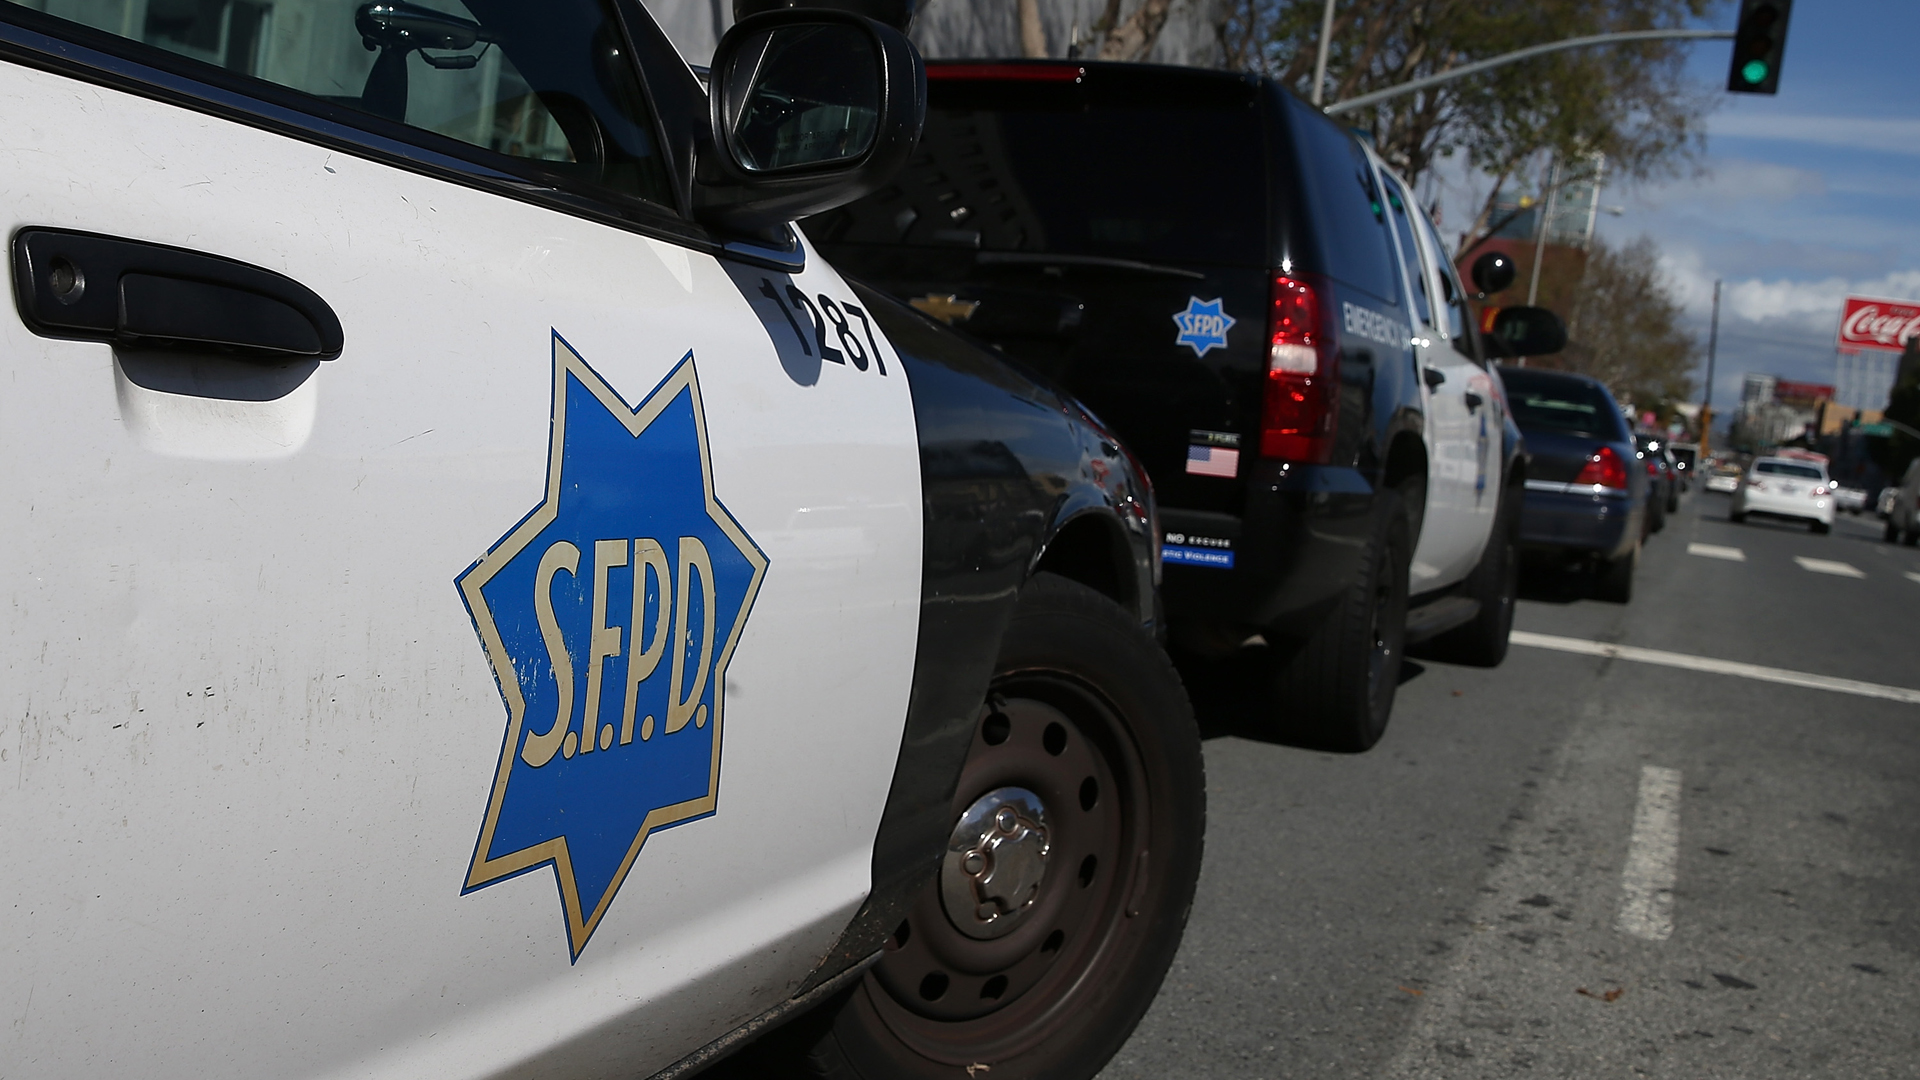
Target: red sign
(1808, 392)
(1867, 323)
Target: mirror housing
(1492, 272)
(1525, 331)
(792, 136)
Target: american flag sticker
(1213, 461)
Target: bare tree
(1627, 328)
(1033, 36)
(1133, 38)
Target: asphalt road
(1582, 866)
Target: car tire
(1615, 581)
(1087, 713)
(1673, 501)
(1910, 536)
(1738, 517)
(1495, 583)
(1820, 527)
(1336, 688)
(1656, 514)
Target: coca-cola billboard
(1869, 323)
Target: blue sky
(1809, 195)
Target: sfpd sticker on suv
(609, 614)
(1203, 325)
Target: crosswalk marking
(1717, 667)
(1829, 566)
(1717, 551)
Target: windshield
(1785, 468)
(1036, 166)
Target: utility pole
(1706, 399)
(1320, 61)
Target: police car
(1260, 307)
(485, 598)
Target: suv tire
(1338, 686)
(1087, 713)
(1495, 582)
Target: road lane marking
(1717, 667)
(1653, 854)
(1828, 566)
(1716, 551)
(1911, 576)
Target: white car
(1784, 487)
(1851, 499)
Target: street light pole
(1320, 62)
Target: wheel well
(1092, 552)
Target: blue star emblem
(609, 614)
(1203, 325)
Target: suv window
(548, 84)
(1453, 297)
(1164, 170)
(1349, 215)
(1410, 254)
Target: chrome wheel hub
(995, 861)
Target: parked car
(1903, 507)
(1587, 498)
(1724, 478)
(646, 634)
(1853, 500)
(1686, 462)
(1267, 318)
(1792, 488)
(1883, 504)
(1663, 481)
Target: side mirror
(810, 109)
(1492, 272)
(1526, 331)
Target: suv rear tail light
(1604, 469)
(1299, 403)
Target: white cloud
(1813, 305)
(1886, 136)
(1737, 180)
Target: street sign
(1868, 322)
(1759, 41)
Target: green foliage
(1629, 102)
(1626, 329)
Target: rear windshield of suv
(1156, 170)
(1562, 405)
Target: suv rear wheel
(1338, 686)
(1078, 823)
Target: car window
(1453, 297)
(547, 84)
(1568, 406)
(1348, 212)
(1410, 255)
(1784, 468)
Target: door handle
(1474, 401)
(1434, 377)
(88, 287)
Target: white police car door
(1449, 544)
(516, 692)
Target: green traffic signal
(1759, 40)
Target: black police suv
(1257, 306)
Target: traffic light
(1759, 40)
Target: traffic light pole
(1518, 55)
(1706, 399)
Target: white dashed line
(1717, 667)
(1715, 551)
(1828, 566)
(1911, 576)
(1653, 853)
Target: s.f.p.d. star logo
(609, 614)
